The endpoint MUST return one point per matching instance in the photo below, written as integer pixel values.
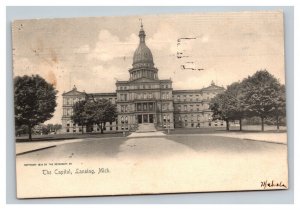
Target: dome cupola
(142, 56)
(143, 65)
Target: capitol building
(145, 98)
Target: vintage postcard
(150, 104)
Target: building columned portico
(145, 98)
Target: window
(165, 106)
(178, 97)
(164, 120)
(167, 95)
(123, 97)
(191, 107)
(139, 107)
(197, 107)
(185, 107)
(184, 97)
(151, 107)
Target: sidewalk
(280, 138)
(23, 147)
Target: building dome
(142, 56)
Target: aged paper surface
(170, 104)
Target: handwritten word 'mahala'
(267, 184)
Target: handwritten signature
(267, 184)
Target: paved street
(162, 163)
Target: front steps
(146, 127)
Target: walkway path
(24, 147)
(280, 138)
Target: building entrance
(145, 118)
(140, 119)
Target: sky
(92, 53)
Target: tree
(57, 127)
(99, 112)
(35, 101)
(50, 127)
(280, 105)
(236, 104)
(262, 94)
(54, 127)
(229, 105)
(79, 115)
(21, 129)
(218, 106)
